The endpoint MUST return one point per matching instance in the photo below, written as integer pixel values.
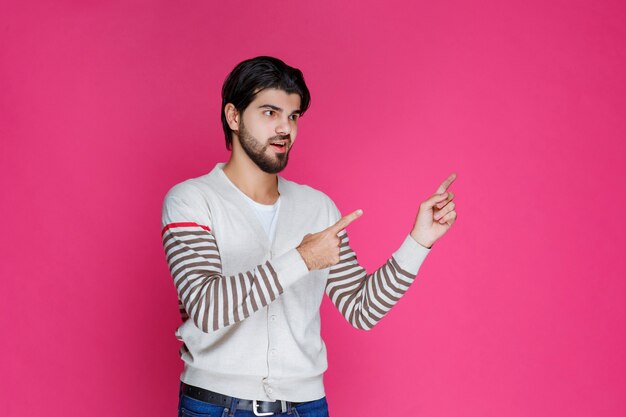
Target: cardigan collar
(284, 213)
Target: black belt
(258, 407)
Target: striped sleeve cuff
(410, 255)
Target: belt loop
(233, 406)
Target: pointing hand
(321, 250)
(436, 215)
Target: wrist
(421, 241)
(303, 258)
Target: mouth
(280, 146)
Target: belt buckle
(256, 413)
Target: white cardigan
(250, 308)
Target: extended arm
(364, 298)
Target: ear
(232, 116)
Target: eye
(268, 112)
(294, 117)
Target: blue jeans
(190, 407)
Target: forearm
(364, 299)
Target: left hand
(436, 215)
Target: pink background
(520, 310)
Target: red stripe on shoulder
(184, 224)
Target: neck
(250, 179)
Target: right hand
(321, 250)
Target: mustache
(281, 137)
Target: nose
(283, 127)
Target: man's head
(270, 95)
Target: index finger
(444, 185)
(345, 221)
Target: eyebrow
(278, 109)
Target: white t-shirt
(267, 214)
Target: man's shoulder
(185, 189)
(193, 188)
(189, 200)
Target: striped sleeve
(364, 299)
(207, 296)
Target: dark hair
(254, 75)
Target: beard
(272, 164)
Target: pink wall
(519, 311)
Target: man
(252, 254)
